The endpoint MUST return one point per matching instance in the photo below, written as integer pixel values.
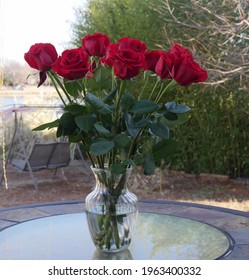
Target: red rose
(163, 65)
(96, 44)
(179, 64)
(110, 54)
(72, 64)
(185, 70)
(41, 56)
(127, 65)
(133, 44)
(126, 57)
(151, 59)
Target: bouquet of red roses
(116, 127)
(114, 101)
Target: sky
(26, 22)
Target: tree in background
(132, 18)
(14, 73)
(127, 18)
(217, 32)
(217, 138)
(219, 29)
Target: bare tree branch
(219, 28)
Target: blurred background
(216, 137)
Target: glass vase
(111, 211)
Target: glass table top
(156, 236)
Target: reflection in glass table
(156, 236)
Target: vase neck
(113, 183)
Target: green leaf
(147, 144)
(118, 168)
(127, 101)
(130, 125)
(122, 154)
(76, 109)
(75, 138)
(149, 164)
(47, 125)
(86, 122)
(160, 130)
(67, 123)
(142, 123)
(101, 147)
(102, 76)
(144, 107)
(180, 119)
(101, 80)
(59, 131)
(107, 120)
(102, 130)
(170, 116)
(73, 87)
(109, 97)
(97, 104)
(121, 140)
(176, 108)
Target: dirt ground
(163, 185)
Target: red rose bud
(111, 53)
(151, 59)
(72, 64)
(163, 65)
(96, 44)
(41, 56)
(183, 67)
(126, 57)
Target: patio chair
(44, 156)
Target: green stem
(116, 116)
(113, 155)
(161, 93)
(120, 185)
(56, 78)
(101, 161)
(115, 230)
(154, 88)
(113, 78)
(88, 154)
(133, 143)
(83, 86)
(120, 94)
(145, 84)
(91, 159)
(56, 87)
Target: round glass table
(157, 236)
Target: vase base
(114, 251)
(111, 234)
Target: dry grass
(205, 189)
